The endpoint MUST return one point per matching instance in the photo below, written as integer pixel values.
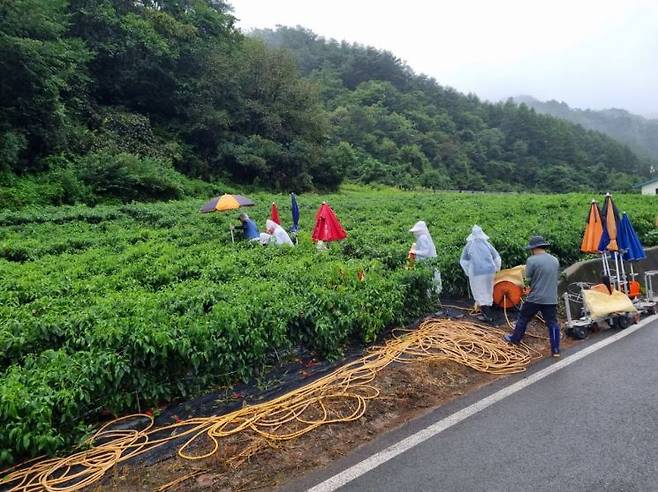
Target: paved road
(591, 426)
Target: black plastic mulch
(303, 369)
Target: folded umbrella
(629, 242)
(593, 230)
(610, 216)
(274, 214)
(632, 251)
(295, 213)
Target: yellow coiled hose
(341, 396)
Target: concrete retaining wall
(591, 270)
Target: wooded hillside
(638, 132)
(399, 127)
(139, 100)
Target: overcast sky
(590, 54)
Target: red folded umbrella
(274, 215)
(327, 226)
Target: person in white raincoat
(278, 234)
(424, 249)
(480, 262)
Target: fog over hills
(638, 132)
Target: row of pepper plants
(108, 309)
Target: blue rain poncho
(480, 262)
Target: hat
(419, 226)
(537, 242)
(477, 233)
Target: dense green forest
(156, 99)
(126, 99)
(639, 133)
(404, 128)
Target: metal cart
(580, 327)
(648, 303)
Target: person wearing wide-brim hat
(542, 271)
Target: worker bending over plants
(423, 249)
(275, 234)
(249, 228)
(542, 272)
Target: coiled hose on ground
(341, 396)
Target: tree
(43, 82)
(435, 180)
(173, 85)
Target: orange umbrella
(226, 202)
(593, 230)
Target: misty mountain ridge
(638, 132)
(391, 125)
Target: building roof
(649, 181)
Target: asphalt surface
(591, 426)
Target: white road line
(372, 462)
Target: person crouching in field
(275, 234)
(424, 247)
(480, 262)
(249, 228)
(543, 273)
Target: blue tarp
(629, 242)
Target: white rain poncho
(424, 245)
(424, 249)
(480, 262)
(278, 233)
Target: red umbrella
(274, 215)
(327, 226)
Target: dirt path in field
(407, 391)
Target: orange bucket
(634, 290)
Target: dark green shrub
(130, 177)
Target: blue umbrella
(295, 213)
(630, 246)
(629, 242)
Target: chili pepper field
(110, 309)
